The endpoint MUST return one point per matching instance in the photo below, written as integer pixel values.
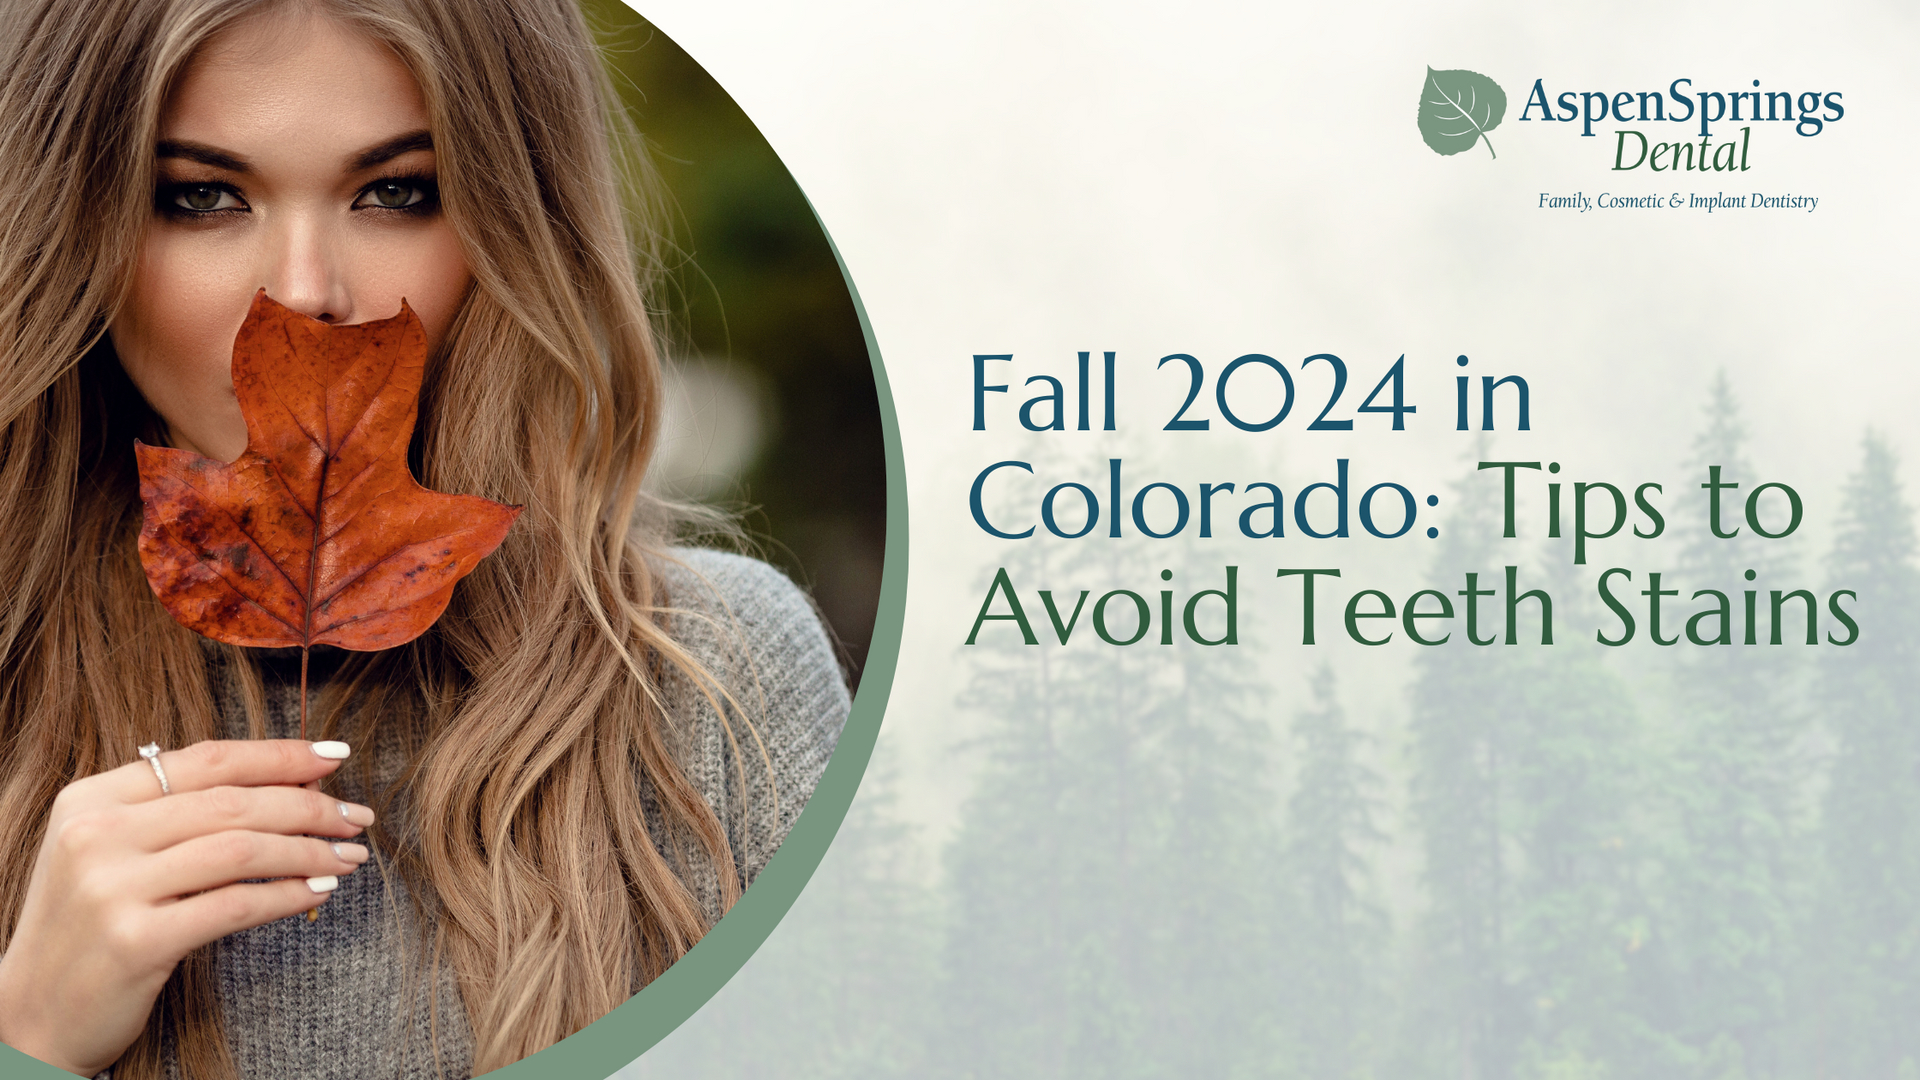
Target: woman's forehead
(289, 79)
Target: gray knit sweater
(326, 1000)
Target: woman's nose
(305, 272)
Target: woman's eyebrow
(392, 148)
(202, 153)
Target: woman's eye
(393, 194)
(205, 198)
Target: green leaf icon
(1458, 108)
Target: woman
(565, 781)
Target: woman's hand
(129, 882)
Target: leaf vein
(211, 503)
(375, 565)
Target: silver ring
(151, 752)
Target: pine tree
(1010, 935)
(1731, 782)
(1579, 913)
(1866, 943)
(1211, 917)
(1465, 1016)
(1338, 931)
(1110, 902)
(1526, 778)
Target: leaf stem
(313, 913)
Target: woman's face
(294, 156)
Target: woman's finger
(210, 862)
(158, 825)
(220, 763)
(184, 925)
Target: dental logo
(1458, 108)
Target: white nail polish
(325, 884)
(332, 751)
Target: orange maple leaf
(318, 534)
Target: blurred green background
(774, 413)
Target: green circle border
(620, 1037)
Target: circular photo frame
(780, 418)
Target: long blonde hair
(535, 701)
